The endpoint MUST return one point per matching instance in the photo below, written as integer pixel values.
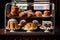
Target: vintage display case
(23, 17)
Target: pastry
(46, 13)
(38, 13)
(14, 8)
(29, 26)
(13, 12)
(22, 22)
(46, 24)
(30, 14)
(29, 10)
(12, 24)
(21, 14)
(35, 22)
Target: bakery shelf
(2, 32)
(12, 22)
(30, 33)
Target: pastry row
(15, 12)
(13, 24)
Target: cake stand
(46, 28)
(12, 29)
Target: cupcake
(14, 8)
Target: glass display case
(26, 17)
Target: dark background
(2, 8)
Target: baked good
(30, 14)
(27, 13)
(12, 24)
(29, 10)
(14, 8)
(22, 22)
(46, 24)
(21, 14)
(35, 22)
(46, 13)
(29, 26)
(13, 12)
(38, 13)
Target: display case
(23, 17)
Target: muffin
(38, 13)
(35, 22)
(22, 22)
(46, 13)
(12, 24)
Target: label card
(41, 6)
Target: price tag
(41, 6)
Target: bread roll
(46, 13)
(38, 13)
